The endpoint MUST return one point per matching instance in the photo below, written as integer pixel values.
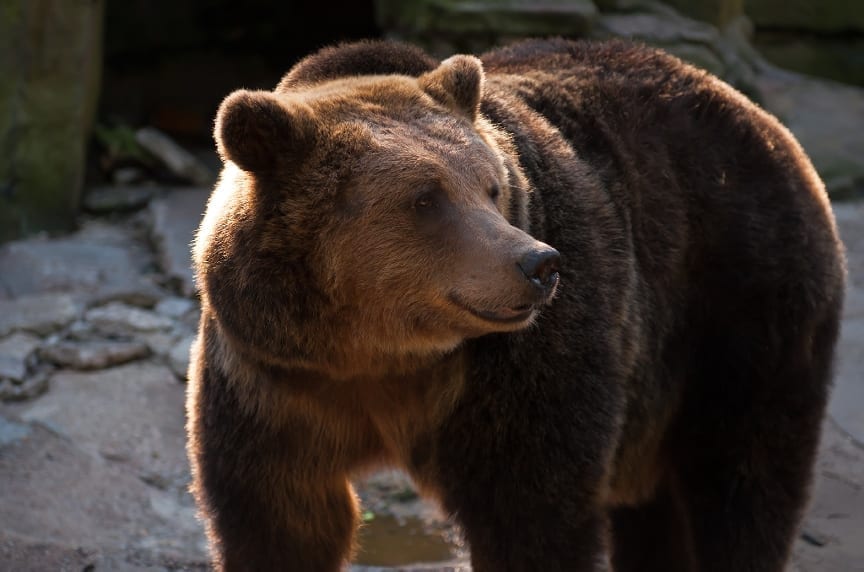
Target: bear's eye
(494, 192)
(425, 201)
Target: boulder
(827, 119)
(836, 57)
(716, 12)
(821, 16)
(425, 18)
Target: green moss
(47, 100)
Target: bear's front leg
(271, 523)
(269, 500)
(527, 516)
(522, 463)
(542, 538)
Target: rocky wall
(820, 38)
(50, 64)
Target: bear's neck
(337, 362)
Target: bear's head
(363, 224)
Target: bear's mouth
(500, 316)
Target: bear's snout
(540, 267)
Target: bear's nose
(541, 267)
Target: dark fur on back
(664, 407)
(360, 58)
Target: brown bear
(586, 294)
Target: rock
(741, 60)
(34, 385)
(841, 16)
(834, 57)
(118, 319)
(178, 358)
(175, 218)
(192, 319)
(848, 393)
(621, 5)
(696, 42)
(40, 314)
(161, 344)
(117, 198)
(716, 12)
(662, 28)
(522, 17)
(98, 263)
(835, 518)
(429, 18)
(826, 118)
(700, 56)
(94, 354)
(11, 432)
(17, 354)
(174, 307)
(177, 159)
(727, 53)
(127, 175)
(17, 553)
(49, 87)
(140, 415)
(55, 494)
(850, 220)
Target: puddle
(388, 541)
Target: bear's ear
(258, 131)
(457, 84)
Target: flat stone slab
(121, 319)
(12, 432)
(847, 400)
(98, 465)
(132, 413)
(60, 505)
(175, 218)
(117, 198)
(834, 524)
(39, 314)
(93, 354)
(99, 262)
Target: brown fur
(375, 292)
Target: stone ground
(94, 333)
